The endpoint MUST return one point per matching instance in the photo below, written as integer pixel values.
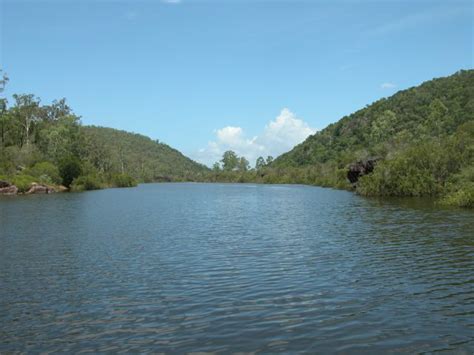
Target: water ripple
(234, 268)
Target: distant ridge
(355, 136)
(139, 156)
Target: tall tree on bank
(27, 113)
(230, 161)
(243, 164)
(3, 106)
(260, 163)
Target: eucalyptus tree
(243, 164)
(230, 161)
(27, 112)
(260, 163)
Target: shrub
(86, 183)
(69, 169)
(46, 172)
(23, 182)
(123, 180)
(462, 197)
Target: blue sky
(205, 76)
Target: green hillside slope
(422, 138)
(137, 155)
(47, 144)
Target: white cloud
(388, 86)
(278, 136)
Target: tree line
(47, 144)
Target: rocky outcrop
(39, 189)
(7, 188)
(361, 168)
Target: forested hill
(47, 144)
(422, 140)
(137, 155)
(435, 108)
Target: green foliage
(86, 183)
(422, 137)
(461, 197)
(260, 163)
(460, 189)
(230, 161)
(123, 180)
(110, 151)
(69, 169)
(243, 164)
(216, 167)
(383, 126)
(23, 182)
(45, 172)
(49, 143)
(433, 109)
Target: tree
(3, 108)
(269, 160)
(4, 119)
(57, 110)
(69, 169)
(3, 80)
(216, 167)
(243, 164)
(26, 111)
(383, 126)
(60, 138)
(260, 163)
(230, 161)
(438, 120)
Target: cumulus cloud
(278, 136)
(388, 86)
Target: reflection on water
(209, 267)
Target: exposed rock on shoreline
(39, 189)
(9, 189)
(359, 169)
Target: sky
(255, 76)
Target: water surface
(242, 268)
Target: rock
(8, 190)
(362, 167)
(61, 188)
(4, 184)
(39, 189)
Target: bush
(420, 170)
(86, 183)
(46, 172)
(69, 169)
(463, 197)
(123, 180)
(23, 182)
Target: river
(234, 268)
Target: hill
(137, 155)
(47, 144)
(421, 138)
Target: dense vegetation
(142, 158)
(422, 139)
(47, 144)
